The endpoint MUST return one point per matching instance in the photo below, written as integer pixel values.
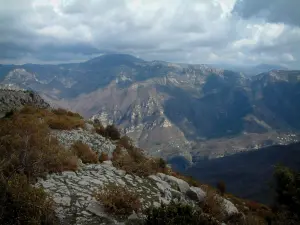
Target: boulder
(228, 207)
(196, 194)
(176, 183)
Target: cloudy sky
(242, 32)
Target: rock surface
(15, 99)
(73, 192)
(94, 140)
(196, 194)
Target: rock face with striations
(15, 99)
(75, 204)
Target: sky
(240, 32)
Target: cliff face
(11, 99)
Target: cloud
(274, 11)
(197, 31)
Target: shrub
(126, 142)
(177, 213)
(134, 161)
(103, 157)
(221, 186)
(61, 112)
(112, 132)
(212, 205)
(84, 152)
(20, 203)
(27, 147)
(119, 200)
(65, 123)
(287, 201)
(56, 119)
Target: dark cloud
(277, 11)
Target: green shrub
(119, 200)
(287, 201)
(177, 214)
(20, 203)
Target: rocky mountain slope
(172, 109)
(73, 189)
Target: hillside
(248, 175)
(57, 168)
(173, 109)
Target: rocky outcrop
(94, 140)
(196, 194)
(15, 99)
(73, 192)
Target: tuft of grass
(118, 200)
(84, 152)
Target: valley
(169, 109)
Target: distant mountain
(251, 70)
(248, 175)
(172, 109)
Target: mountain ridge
(175, 107)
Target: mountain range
(171, 109)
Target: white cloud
(195, 31)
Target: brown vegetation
(136, 162)
(56, 119)
(27, 147)
(118, 200)
(20, 203)
(27, 151)
(103, 157)
(221, 186)
(84, 152)
(109, 132)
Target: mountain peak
(114, 59)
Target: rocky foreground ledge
(73, 193)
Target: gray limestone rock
(196, 194)
(228, 207)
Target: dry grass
(103, 157)
(27, 151)
(84, 152)
(56, 119)
(126, 142)
(212, 204)
(27, 147)
(134, 161)
(118, 200)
